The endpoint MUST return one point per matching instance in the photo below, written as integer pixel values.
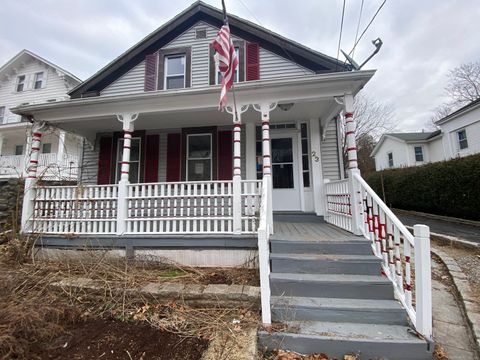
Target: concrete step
(331, 286)
(369, 341)
(338, 310)
(326, 264)
(347, 247)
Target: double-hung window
(175, 71)
(462, 139)
(18, 149)
(390, 159)
(218, 74)
(2, 115)
(418, 154)
(199, 157)
(46, 148)
(135, 150)
(38, 83)
(20, 83)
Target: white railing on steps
(264, 232)
(352, 205)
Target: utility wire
(358, 26)
(366, 28)
(340, 35)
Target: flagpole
(225, 22)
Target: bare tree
(462, 88)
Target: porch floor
(308, 227)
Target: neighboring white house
(29, 79)
(459, 135)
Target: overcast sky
(423, 39)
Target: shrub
(450, 188)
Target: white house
(28, 79)
(458, 135)
(165, 174)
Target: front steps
(330, 297)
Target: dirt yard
(40, 321)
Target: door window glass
(199, 157)
(282, 163)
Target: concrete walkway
(449, 325)
(441, 226)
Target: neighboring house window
(390, 159)
(21, 83)
(18, 149)
(462, 139)
(199, 157)
(46, 148)
(134, 171)
(418, 154)
(218, 74)
(38, 80)
(175, 71)
(2, 115)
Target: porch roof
(82, 115)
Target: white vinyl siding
(271, 65)
(330, 155)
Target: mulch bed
(112, 340)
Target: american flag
(227, 61)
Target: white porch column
(351, 146)
(1, 144)
(122, 207)
(31, 179)
(250, 151)
(317, 171)
(237, 167)
(61, 147)
(265, 109)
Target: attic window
(200, 33)
(20, 83)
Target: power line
(340, 35)
(366, 28)
(358, 26)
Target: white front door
(285, 174)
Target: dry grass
(33, 312)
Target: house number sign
(315, 157)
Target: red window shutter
(104, 161)
(151, 72)
(225, 155)
(152, 147)
(253, 61)
(173, 157)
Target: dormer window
(175, 71)
(20, 83)
(38, 84)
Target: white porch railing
(152, 208)
(49, 168)
(90, 209)
(405, 257)
(339, 209)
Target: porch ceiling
(313, 97)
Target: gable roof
(24, 54)
(471, 106)
(406, 138)
(415, 136)
(199, 11)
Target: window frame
(35, 80)
(213, 74)
(421, 153)
(237, 70)
(119, 156)
(465, 139)
(162, 54)
(187, 156)
(3, 115)
(19, 146)
(22, 83)
(165, 70)
(390, 155)
(43, 148)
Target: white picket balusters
(338, 204)
(405, 257)
(89, 209)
